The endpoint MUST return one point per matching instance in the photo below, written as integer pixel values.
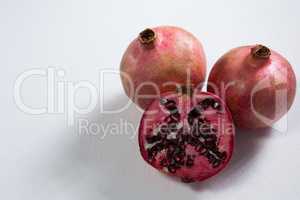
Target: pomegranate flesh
(257, 84)
(158, 60)
(190, 137)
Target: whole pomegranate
(257, 84)
(190, 137)
(160, 59)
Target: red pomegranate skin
(202, 167)
(257, 84)
(175, 56)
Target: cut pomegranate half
(187, 136)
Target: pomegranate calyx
(261, 52)
(147, 36)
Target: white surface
(44, 158)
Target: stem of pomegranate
(261, 52)
(147, 36)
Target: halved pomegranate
(187, 136)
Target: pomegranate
(257, 84)
(190, 137)
(158, 60)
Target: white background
(41, 157)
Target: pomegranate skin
(159, 59)
(257, 84)
(203, 166)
